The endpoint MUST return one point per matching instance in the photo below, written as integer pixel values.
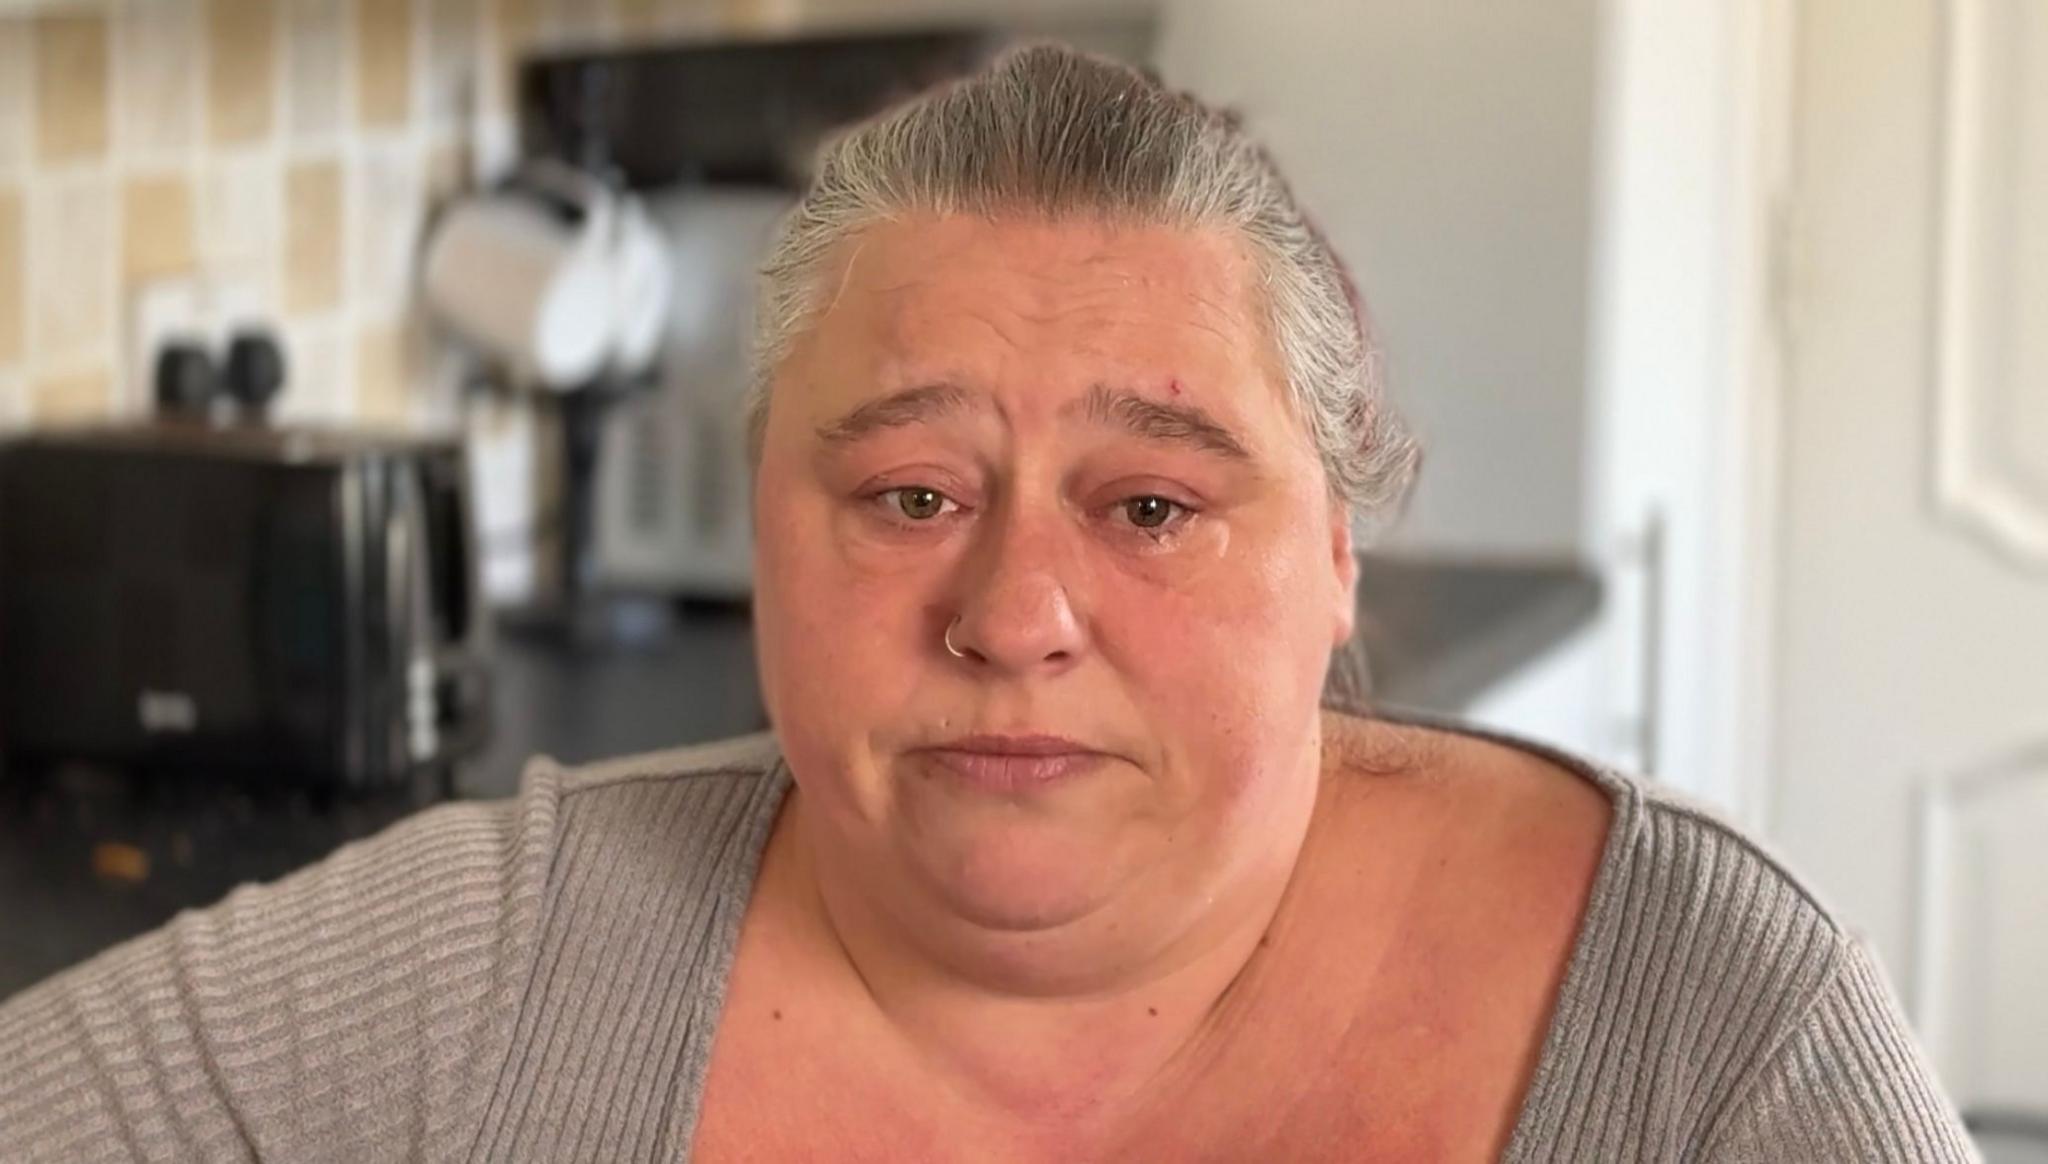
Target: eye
(1152, 512)
(917, 502)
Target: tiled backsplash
(281, 153)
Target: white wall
(1446, 148)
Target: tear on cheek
(1191, 560)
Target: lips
(1014, 763)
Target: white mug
(528, 274)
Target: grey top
(540, 978)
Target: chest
(1398, 1010)
(1422, 1068)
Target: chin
(1017, 876)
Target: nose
(1016, 612)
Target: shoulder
(355, 1006)
(1718, 905)
(1692, 919)
(1702, 955)
(1693, 953)
(1672, 877)
(1799, 1049)
(1848, 1081)
(647, 814)
(649, 879)
(312, 1005)
(1513, 840)
(685, 768)
(1717, 1008)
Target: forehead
(1066, 296)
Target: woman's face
(1072, 437)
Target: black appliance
(752, 112)
(726, 112)
(253, 603)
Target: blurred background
(369, 371)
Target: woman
(1063, 419)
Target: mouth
(1009, 764)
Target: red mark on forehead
(1173, 386)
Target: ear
(1344, 575)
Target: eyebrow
(918, 405)
(1140, 416)
(1156, 420)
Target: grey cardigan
(540, 978)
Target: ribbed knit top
(540, 978)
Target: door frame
(1761, 329)
(1692, 321)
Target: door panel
(1913, 666)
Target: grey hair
(1049, 131)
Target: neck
(1071, 1027)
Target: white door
(1912, 663)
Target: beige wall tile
(453, 49)
(515, 29)
(548, 24)
(156, 228)
(315, 364)
(71, 267)
(390, 192)
(72, 396)
(516, 24)
(71, 85)
(156, 51)
(577, 22)
(383, 62)
(319, 43)
(13, 278)
(639, 17)
(240, 201)
(17, 85)
(443, 368)
(761, 15)
(241, 38)
(696, 17)
(13, 402)
(156, 86)
(315, 235)
(449, 166)
(385, 366)
(495, 81)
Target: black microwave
(260, 604)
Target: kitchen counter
(1438, 631)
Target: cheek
(1249, 607)
(1235, 660)
(837, 637)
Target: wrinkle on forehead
(921, 294)
(1112, 323)
(1057, 246)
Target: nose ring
(956, 652)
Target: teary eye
(1149, 512)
